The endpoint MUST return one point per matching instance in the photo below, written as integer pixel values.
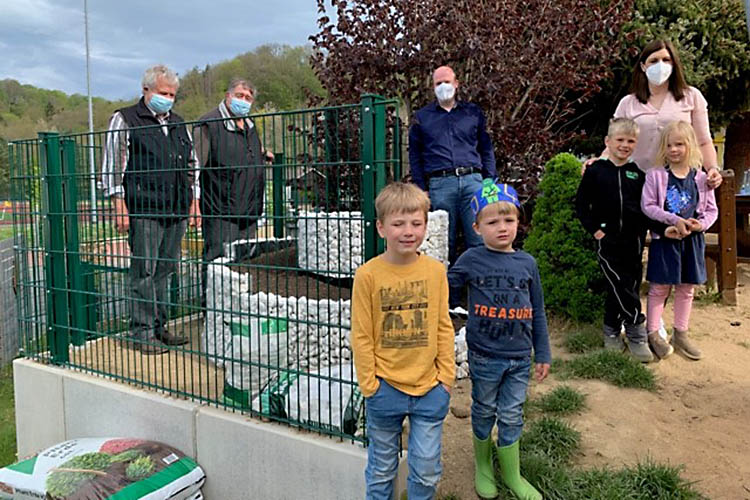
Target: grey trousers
(154, 252)
(216, 232)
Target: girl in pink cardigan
(677, 194)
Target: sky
(42, 42)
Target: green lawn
(7, 418)
(6, 231)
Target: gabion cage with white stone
(330, 243)
(257, 336)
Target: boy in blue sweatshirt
(506, 321)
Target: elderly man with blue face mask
(232, 172)
(149, 173)
(449, 154)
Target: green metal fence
(271, 337)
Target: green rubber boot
(510, 471)
(484, 476)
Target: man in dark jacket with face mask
(232, 173)
(149, 173)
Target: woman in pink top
(659, 95)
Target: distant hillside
(282, 75)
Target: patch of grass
(7, 418)
(551, 437)
(449, 496)
(584, 340)
(744, 344)
(708, 296)
(557, 367)
(644, 481)
(6, 231)
(614, 367)
(562, 400)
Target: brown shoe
(683, 345)
(659, 345)
(169, 339)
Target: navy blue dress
(676, 262)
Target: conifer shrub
(571, 279)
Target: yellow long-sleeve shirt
(401, 329)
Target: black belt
(458, 172)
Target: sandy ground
(699, 416)
(181, 371)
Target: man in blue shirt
(449, 154)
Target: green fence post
(278, 186)
(367, 120)
(58, 314)
(381, 159)
(72, 244)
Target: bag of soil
(104, 468)
(256, 352)
(328, 399)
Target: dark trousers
(621, 262)
(154, 249)
(216, 232)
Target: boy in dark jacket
(608, 204)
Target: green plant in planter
(139, 468)
(564, 251)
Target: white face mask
(659, 73)
(445, 92)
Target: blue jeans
(385, 412)
(498, 391)
(453, 194)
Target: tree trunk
(737, 147)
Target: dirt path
(699, 416)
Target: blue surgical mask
(160, 104)
(239, 107)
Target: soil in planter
(276, 272)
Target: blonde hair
(499, 208)
(684, 130)
(624, 126)
(401, 198)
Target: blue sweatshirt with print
(506, 303)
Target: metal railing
(271, 336)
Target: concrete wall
(243, 458)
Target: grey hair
(153, 73)
(236, 82)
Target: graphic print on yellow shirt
(404, 308)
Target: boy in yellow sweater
(402, 339)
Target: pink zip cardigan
(655, 193)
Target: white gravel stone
(330, 243)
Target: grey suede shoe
(683, 345)
(613, 343)
(659, 346)
(612, 339)
(640, 351)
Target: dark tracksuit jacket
(609, 199)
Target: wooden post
(727, 260)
